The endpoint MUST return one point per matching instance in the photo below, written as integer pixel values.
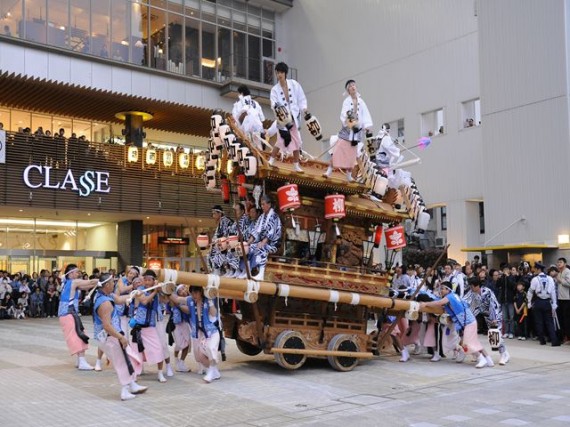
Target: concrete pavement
(41, 387)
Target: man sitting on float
(264, 239)
(218, 251)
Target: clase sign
(36, 176)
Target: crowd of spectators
(37, 295)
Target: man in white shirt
(288, 101)
(541, 297)
(247, 112)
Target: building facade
(108, 75)
(487, 80)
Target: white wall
(101, 238)
(407, 58)
(524, 101)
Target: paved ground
(39, 386)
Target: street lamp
(367, 247)
(314, 239)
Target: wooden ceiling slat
(80, 102)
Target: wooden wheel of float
(343, 342)
(293, 340)
(247, 348)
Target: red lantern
(288, 197)
(378, 236)
(334, 207)
(242, 191)
(225, 186)
(202, 241)
(395, 237)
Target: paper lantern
(200, 162)
(395, 237)
(242, 191)
(184, 160)
(133, 154)
(334, 207)
(150, 155)
(250, 166)
(377, 236)
(202, 241)
(288, 197)
(225, 187)
(167, 158)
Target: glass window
(433, 122)
(58, 23)
(224, 52)
(208, 51)
(471, 113)
(481, 218)
(41, 124)
(101, 132)
(139, 33)
(224, 16)
(20, 120)
(192, 47)
(5, 119)
(175, 43)
(192, 8)
(120, 39)
(443, 212)
(253, 10)
(268, 14)
(253, 25)
(239, 57)
(268, 48)
(79, 31)
(238, 19)
(254, 55)
(11, 18)
(176, 6)
(59, 123)
(36, 25)
(157, 38)
(238, 5)
(100, 22)
(82, 128)
(268, 28)
(162, 4)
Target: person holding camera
(356, 123)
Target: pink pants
(470, 339)
(206, 349)
(295, 143)
(112, 348)
(74, 343)
(153, 352)
(410, 331)
(181, 336)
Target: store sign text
(36, 176)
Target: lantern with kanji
(395, 237)
(335, 210)
(289, 199)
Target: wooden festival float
(318, 291)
